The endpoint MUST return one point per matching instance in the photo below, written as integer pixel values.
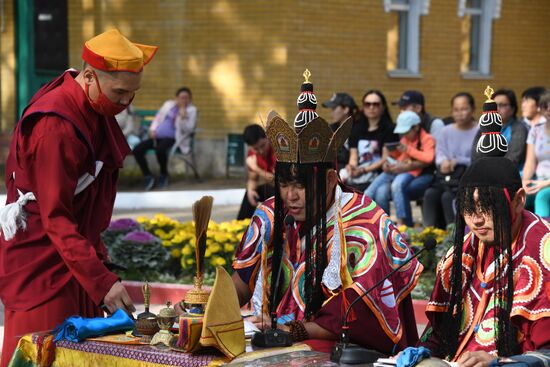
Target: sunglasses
(371, 104)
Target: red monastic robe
(54, 268)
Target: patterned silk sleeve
(374, 248)
(249, 253)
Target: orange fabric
(426, 153)
(111, 51)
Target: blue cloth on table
(411, 356)
(76, 328)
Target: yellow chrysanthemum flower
(187, 250)
(142, 220)
(218, 261)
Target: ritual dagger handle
(146, 296)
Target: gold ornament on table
(165, 319)
(146, 323)
(195, 300)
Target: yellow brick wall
(242, 58)
(345, 47)
(231, 54)
(7, 68)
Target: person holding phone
(373, 129)
(392, 146)
(408, 168)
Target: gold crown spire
(489, 93)
(307, 75)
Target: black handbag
(451, 180)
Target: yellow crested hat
(111, 51)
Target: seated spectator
(260, 163)
(530, 111)
(372, 129)
(173, 124)
(536, 173)
(452, 156)
(513, 130)
(342, 106)
(127, 121)
(413, 100)
(408, 168)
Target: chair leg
(191, 164)
(194, 166)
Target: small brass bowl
(147, 326)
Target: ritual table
(95, 353)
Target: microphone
(346, 353)
(274, 337)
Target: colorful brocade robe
(531, 305)
(363, 245)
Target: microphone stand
(346, 353)
(274, 337)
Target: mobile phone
(391, 161)
(392, 146)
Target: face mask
(103, 105)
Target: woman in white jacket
(174, 123)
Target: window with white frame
(477, 28)
(404, 37)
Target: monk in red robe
(61, 178)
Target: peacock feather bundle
(196, 298)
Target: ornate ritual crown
(491, 142)
(310, 140)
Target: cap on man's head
(410, 97)
(340, 99)
(405, 121)
(111, 51)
